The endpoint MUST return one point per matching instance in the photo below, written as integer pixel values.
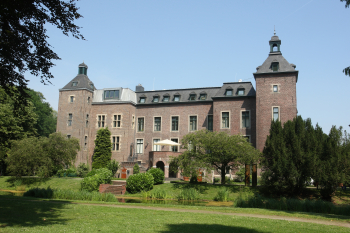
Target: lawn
(20, 214)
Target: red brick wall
(285, 98)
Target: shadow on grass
(24, 212)
(208, 228)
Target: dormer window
(166, 98)
(274, 66)
(176, 98)
(142, 100)
(74, 84)
(229, 92)
(155, 99)
(92, 86)
(240, 91)
(203, 96)
(192, 97)
(112, 94)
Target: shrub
(70, 172)
(193, 180)
(136, 169)
(188, 194)
(97, 177)
(240, 174)
(216, 180)
(139, 182)
(113, 166)
(222, 195)
(82, 170)
(158, 175)
(158, 194)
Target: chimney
(139, 88)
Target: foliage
(47, 119)
(206, 149)
(67, 194)
(70, 172)
(158, 175)
(222, 195)
(92, 181)
(216, 180)
(189, 194)
(103, 149)
(136, 169)
(82, 170)
(240, 173)
(113, 166)
(289, 156)
(139, 182)
(194, 179)
(158, 194)
(23, 41)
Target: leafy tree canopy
(206, 149)
(103, 149)
(23, 40)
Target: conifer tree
(136, 169)
(103, 149)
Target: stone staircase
(118, 187)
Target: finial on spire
(274, 30)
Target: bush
(82, 170)
(158, 194)
(216, 180)
(158, 175)
(96, 177)
(113, 166)
(136, 169)
(188, 194)
(240, 174)
(139, 182)
(193, 180)
(222, 195)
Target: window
(193, 123)
(175, 148)
(142, 100)
(225, 120)
(74, 84)
(88, 99)
(274, 66)
(166, 98)
(112, 94)
(157, 123)
(192, 97)
(85, 142)
(210, 122)
(275, 88)
(276, 115)
(203, 96)
(176, 98)
(140, 124)
(117, 121)
(70, 119)
(87, 120)
(240, 91)
(101, 121)
(175, 123)
(156, 147)
(229, 92)
(71, 99)
(155, 99)
(247, 137)
(139, 146)
(68, 136)
(92, 86)
(115, 143)
(245, 119)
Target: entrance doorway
(160, 165)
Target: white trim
(278, 88)
(160, 147)
(189, 122)
(279, 112)
(143, 145)
(121, 120)
(105, 121)
(144, 124)
(161, 122)
(69, 98)
(241, 119)
(171, 123)
(229, 119)
(116, 140)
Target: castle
(138, 119)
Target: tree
(103, 149)
(289, 156)
(206, 149)
(23, 40)
(113, 165)
(136, 169)
(347, 69)
(47, 118)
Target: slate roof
(247, 86)
(284, 65)
(83, 82)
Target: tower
(74, 107)
(276, 99)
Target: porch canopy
(167, 142)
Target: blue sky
(172, 44)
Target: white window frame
(279, 112)
(69, 99)
(116, 121)
(229, 119)
(144, 123)
(142, 147)
(241, 119)
(105, 121)
(189, 122)
(278, 88)
(171, 123)
(154, 121)
(157, 146)
(116, 142)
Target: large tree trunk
(255, 176)
(247, 175)
(223, 174)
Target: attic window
(166, 98)
(240, 91)
(155, 99)
(192, 97)
(74, 84)
(176, 98)
(229, 92)
(142, 100)
(112, 94)
(274, 66)
(203, 96)
(92, 86)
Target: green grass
(19, 214)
